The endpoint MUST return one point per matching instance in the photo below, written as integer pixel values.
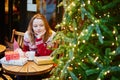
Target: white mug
(30, 55)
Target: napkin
(19, 62)
(15, 44)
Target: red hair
(47, 27)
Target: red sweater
(41, 48)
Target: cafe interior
(15, 15)
(87, 44)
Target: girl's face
(38, 26)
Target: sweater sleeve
(25, 48)
(42, 48)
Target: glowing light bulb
(92, 24)
(88, 1)
(113, 44)
(103, 37)
(73, 4)
(75, 28)
(95, 59)
(119, 65)
(78, 63)
(108, 15)
(83, 41)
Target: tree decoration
(89, 41)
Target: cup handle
(26, 54)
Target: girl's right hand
(40, 35)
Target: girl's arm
(42, 49)
(25, 46)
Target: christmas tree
(89, 41)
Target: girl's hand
(40, 35)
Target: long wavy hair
(47, 27)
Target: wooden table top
(30, 68)
(2, 48)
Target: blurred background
(15, 14)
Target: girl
(38, 36)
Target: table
(2, 48)
(30, 68)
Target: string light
(92, 24)
(110, 57)
(70, 13)
(103, 37)
(93, 35)
(75, 67)
(116, 38)
(77, 34)
(93, 54)
(104, 14)
(114, 51)
(70, 44)
(118, 24)
(79, 10)
(83, 41)
(78, 42)
(95, 59)
(68, 8)
(108, 71)
(73, 49)
(78, 63)
(119, 65)
(108, 15)
(82, 60)
(64, 22)
(80, 76)
(86, 30)
(105, 73)
(97, 34)
(99, 16)
(73, 58)
(58, 78)
(65, 72)
(113, 44)
(83, 5)
(97, 21)
(75, 28)
(98, 79)
(82, 33)
(66, 55)
(88, 1)
(73, 4)
(87, 54)
(70, 78)
(69, 60)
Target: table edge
(28, 74)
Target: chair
(18, 36)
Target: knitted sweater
(39, 47)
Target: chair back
(18, 36)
